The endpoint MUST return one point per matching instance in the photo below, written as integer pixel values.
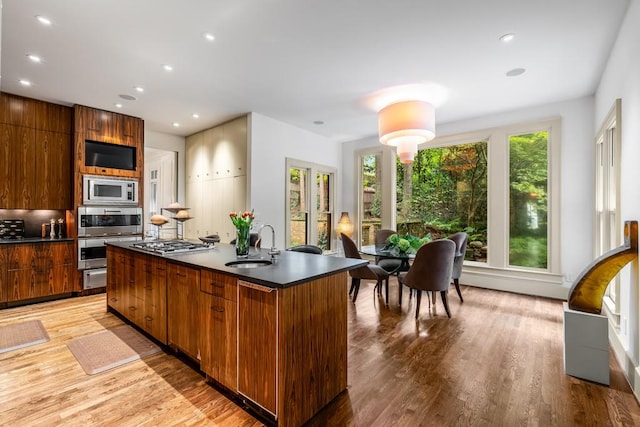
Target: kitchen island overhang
(274, 335)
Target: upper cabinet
(35, 154)
(216, 169)
(219, 152)
(91, 124)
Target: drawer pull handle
(215, 285)
(218, 309)
(181, 275)
(148, 318)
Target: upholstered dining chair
(460, 239)
(390, 265)
(309, 249)
(368, 272)
(431, 271)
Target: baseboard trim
(521, 282)
(629, 369)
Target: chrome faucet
(273, 250)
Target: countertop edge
(254, 274)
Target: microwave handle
(112, 211)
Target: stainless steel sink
(249, 263)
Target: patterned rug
(109, 349)
(24, 334)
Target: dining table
(382, 251)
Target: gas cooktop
(168, 247)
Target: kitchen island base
(281, 350)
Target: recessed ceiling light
(43, 20)
(195, 115)
(34, 58)
(208, 36)
(506, 38)
(118, 105)
(515, 72)
(318, 122)
(128, 97)
(139, 89)
(175, 124)
(167, 67)
(24, 82)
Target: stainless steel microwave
(100, 190)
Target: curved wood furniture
(587, 291)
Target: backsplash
(33, 219)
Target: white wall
(621, 79)
(163, 141)
(577, 173)
(272, 141)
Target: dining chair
(368, 272)
(460, 239)
(309, 249)
(431, 271)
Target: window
(445, 191)
(309, 223)
(608, 228)
(500, 185)
(528, 204)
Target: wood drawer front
(219, 284)
(39, 255)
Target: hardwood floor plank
(497, 361)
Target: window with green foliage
(528, 173)
(445, 191)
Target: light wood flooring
(496, 362)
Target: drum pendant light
(406, 124)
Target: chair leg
(386, 283)
(399, 293)
(456, 282)
(443, 294)
(418, 298)
(356, 288)
(353, 285)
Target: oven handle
(112, 211)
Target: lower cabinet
(218, 333)
(35, 270)
(137, 289)
(183, 291)
(257, 344)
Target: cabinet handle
(148, 318)
(149, 287)
(181, 275)
(218, 309)
(215, 285)
(132, 308)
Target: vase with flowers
(242, 222)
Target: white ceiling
(301, 61)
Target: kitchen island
(275, 335)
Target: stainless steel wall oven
(98, 225)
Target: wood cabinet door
(183, 289)
(52, 171)
(3, 273)
(115, 276)
(218, 340)
(257, 344)
(154, 294)
(17, 180)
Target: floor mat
(109, 349)
(23, 334)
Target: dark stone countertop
(25, 240)
(290, 268)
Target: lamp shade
(405, 125)
(344, 225)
